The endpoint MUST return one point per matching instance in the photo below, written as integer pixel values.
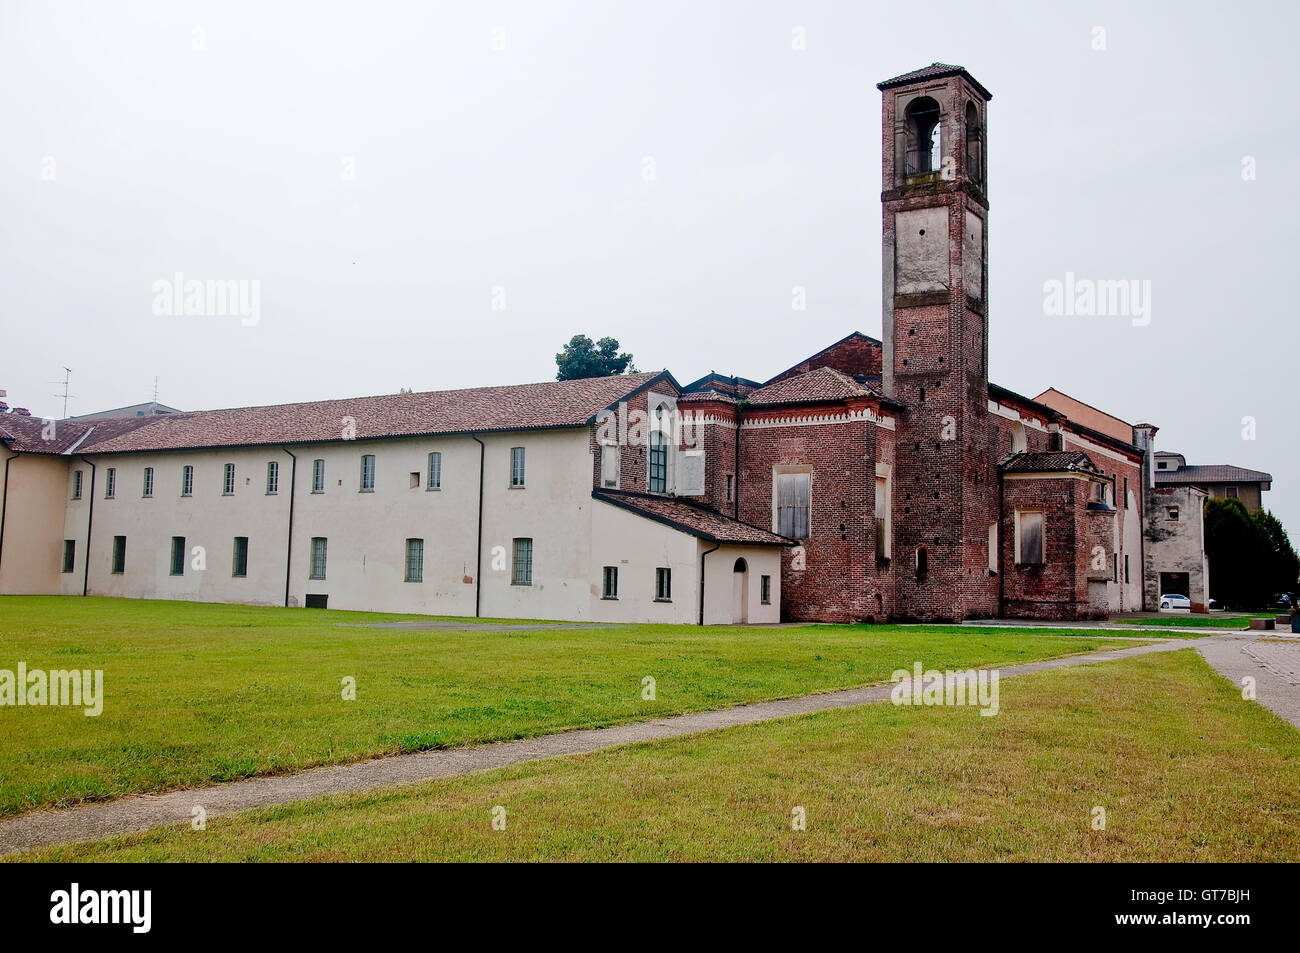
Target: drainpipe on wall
(288, 543)
(4, 501)
(478, 558)
(90, 523)
(735, 499)
(1002, 574)
(702, 555)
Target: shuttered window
(793, 502)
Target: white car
(1173, 601)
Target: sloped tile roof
(823, 384)
(478, 409)
(1212, 473)
(27, 434)
(697, 396)
(934, 71)
(691, 518)
(1054, 461)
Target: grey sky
(522, 168)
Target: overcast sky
(437, 195)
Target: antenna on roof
(67, 376)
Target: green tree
(1251, 558)
(583, 358)
(1283, 563)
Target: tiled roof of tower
(934, 71)
(1212, 473)
(690, 518)
(474, 410)
(1053, 461)
(823, 384)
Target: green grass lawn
(1196, 621)
(1184, 768)
(198, 693)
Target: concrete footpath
(141, 812)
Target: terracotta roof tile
(823, 384)
(1053, 461)
(477, 409)
(691, 518)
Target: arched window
(924, 146)
(741, 565)
(974, 146)
(1019, 440)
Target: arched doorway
(740, 591)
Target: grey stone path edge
(97, 820)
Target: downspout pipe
(1002, 571)
(90, 523)
(735, 497)
(716, 546)
(4, 501)
(478, 557)
(288, 542)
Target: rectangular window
(793, 501)
(272, 477)
(69, 554)
(435, 472)
(1126, 577)
(148, 481)
(1029, 537)
(663, 585)
(522, 573)
(110, 483)
(1126, 506)
(516, 466)
(993, 547)
(317, 558)
(178, 555)
(658, 462)
(1230, 492)
(368, 473)
(1114, 567)
(415, 560)
(731, 486)
(882, 518)
(1172, 513)
(611, 583)
(239, 568)
(765, 590)
(318, 476)
(187, 481)
(119, 555)
(76, 484)
(610, 464)
(228, 483)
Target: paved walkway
(142, 812)
(1271, 658)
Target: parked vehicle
(1175, 601)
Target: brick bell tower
(935, 362)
